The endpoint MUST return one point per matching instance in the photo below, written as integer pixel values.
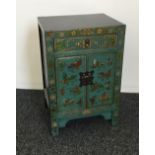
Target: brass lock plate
(86, 78)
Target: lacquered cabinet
(81, 66)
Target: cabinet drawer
(77, 43)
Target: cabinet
(81, 59)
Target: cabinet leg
(114, 121)
(114, 118)
(106, 115)
(55, 129)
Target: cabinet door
(100, 93)
(70, 96)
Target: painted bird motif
(68, 102)
(104, 97)
(96, 86)
(97, 64)
(76, 90)
(105, 74)
(67, 78)
(75, 65)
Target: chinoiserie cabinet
(81, 66)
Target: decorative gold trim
(86, 112)
(49, 34)
(73, 33)
(99, 31)
(54, 124)
(52, 82)
(87, 31)
(62, 34)
(52, 97)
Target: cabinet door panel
(100, 93)
(70, 95)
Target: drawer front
(78, 43)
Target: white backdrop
(28, 66)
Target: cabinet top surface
(60, 23)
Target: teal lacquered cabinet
(81, 65)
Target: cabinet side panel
(43, 57)
(50, 66)
(43, 63)
(41, 54)
(118, 69)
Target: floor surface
(91, 136)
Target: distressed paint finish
(72, 96)
(72, 43)
(73, 51)
(51, 88)
(102, 89)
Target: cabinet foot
(62, 123)
(106, 115)
(114, 121)
(55, 131)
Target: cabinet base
(62, 123)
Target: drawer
(78, 43)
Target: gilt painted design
(105, 74)
(104, 97)
(72, 102)
(70, 95)
(62, 91)
(96, 85)
(75, 65)
(76, 90)
(97, 64)
(67, 78)
(108, 85)
(88, 32)
(67, 100)
(76, 43)
(101, 92)
(60, 82)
